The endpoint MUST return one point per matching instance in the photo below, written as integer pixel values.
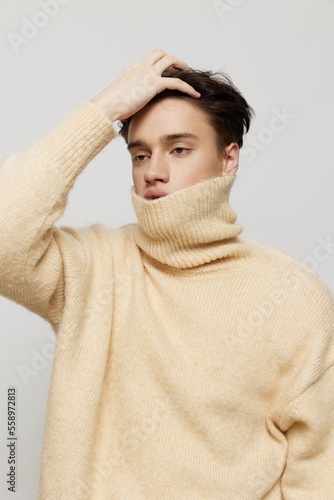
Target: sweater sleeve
(309, 467)
(34, 186)
(307, 417)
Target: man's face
(163, 157)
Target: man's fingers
(137, 85)
(178, 84)
(167, 62)
(164, 63)
(154, 56)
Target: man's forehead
(167, 120)
(183, 112)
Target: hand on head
(136, 86)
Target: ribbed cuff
(76, 140)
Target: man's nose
(157, 169)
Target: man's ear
(231, 160)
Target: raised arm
(35, 183)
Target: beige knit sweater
(191, 363)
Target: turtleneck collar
(190, 227)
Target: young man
(191, 363)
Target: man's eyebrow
(180, 135)
(165, 138)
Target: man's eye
(139, 158)
(181, 150)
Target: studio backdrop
(57, 53)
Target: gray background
(279, 54)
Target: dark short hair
(226, 108)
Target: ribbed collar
(189, 227)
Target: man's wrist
(103, 107)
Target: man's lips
(154, 193)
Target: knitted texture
(191, 363)
(188, 227)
